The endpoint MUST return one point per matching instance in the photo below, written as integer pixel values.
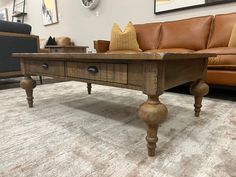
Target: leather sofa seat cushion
(221, 61)
(221, 30)
(189, 34)
(123, 51)
(172, 50)
(221, 77)
(148, 35)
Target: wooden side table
(66, 49)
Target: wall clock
(90, 4)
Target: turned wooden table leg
(89, 87)
(198, 89)
(152, 112)
(28, 84)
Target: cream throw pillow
(232, 41)
(126, 40)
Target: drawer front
(68, 50)
(56, 68)
(55, 50)
(98, 71)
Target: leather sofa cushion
(221, 61)
(12, 27)
(148, 35)
(232, 40)
(189, 33)
(123, 51)
(221, 77)
(172, 50)
(221, 30)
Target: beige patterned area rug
(71, 134)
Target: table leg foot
(89, 87)
(152, 112)
(198, 89)
(28, 84)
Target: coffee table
(151, 73)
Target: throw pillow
(232, 41)
(126, 40)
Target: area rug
(69, 133)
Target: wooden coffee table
(151, 73)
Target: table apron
(152, 77)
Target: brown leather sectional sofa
(208, 34)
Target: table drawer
(67, 49)
(108, 72)
(56, 68)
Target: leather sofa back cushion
(190, 33)
(148, 35)
(221, 30)
(232, 41)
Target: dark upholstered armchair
(15, 38)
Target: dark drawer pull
(45, 66)
(92, 69)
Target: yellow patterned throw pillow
(232, 41)
(124, 40)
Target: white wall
(83, 26)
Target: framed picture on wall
(49, 12)
(4, 14)
(163, 6)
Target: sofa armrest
(101, 46)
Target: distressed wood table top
(107, 56)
